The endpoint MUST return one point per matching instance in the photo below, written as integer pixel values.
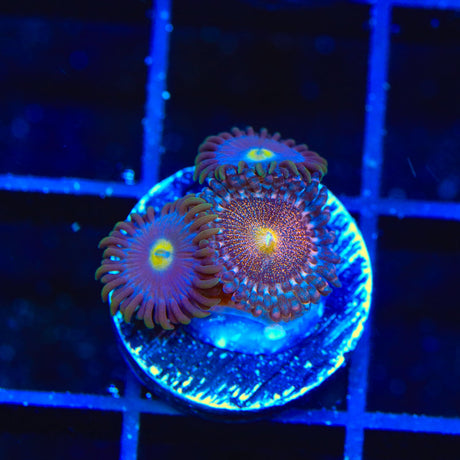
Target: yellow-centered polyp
(161, 254)
(266, 240)
(259, 155)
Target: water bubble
(113, 390)
(75, 227)
(128, 175)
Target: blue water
(73, 98)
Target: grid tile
(360, 424)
